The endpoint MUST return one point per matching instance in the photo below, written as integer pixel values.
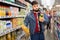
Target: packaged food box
(14, 23)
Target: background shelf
(8, 31)
(11, 4)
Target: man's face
(35, 7)
(47, 12)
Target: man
(49, 17)
(35, 24)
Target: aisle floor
(49, 35)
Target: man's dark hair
(45, 9)
(34, 2)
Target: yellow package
(13, 36)
(25, 29)
(8, 36)
(41, 17)
(2, 13)
(4, 37)
(14, 22)
(20, 21)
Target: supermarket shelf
(13, 17)
(57, 21)
(9, 30)
(12, 4)
(20, 36)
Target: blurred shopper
(35, 22)
(49, 17)
(48, 13)
(53, 14)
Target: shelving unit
(11, 30)
(57, 29)
(20, 36)
(12, 4)
(20, 16)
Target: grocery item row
(13, 35)
(9, 24)
(57, 27)
(8, 11)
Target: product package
(8, 36)
(14, 23)
(14, 11)
(22, 12)
(8, 24)
(1, 27)
(20, 21)
(10, 0)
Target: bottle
(41, 16)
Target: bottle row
(9, 24)
(6, 11)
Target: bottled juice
(4, 37)
(1, 38)
(9, 36)
(20, 21)
(41, 17)
(13, 36)
(14, 22)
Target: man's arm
(46, 20)
(25, 26)
(26, 21)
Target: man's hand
(41, 19)
(25, 29)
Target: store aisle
(49, 34)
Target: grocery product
(22, 12)
(2, 13)
(13, 36)
(19, 32)
(1, 28)
(14, 23)
(20, 21)
(4, 25)
(1, 38)
(41, 17)
(4, 37)
(8, 36)
(8, 13)
(8, 24)
(14, 11)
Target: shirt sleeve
(46, 19)
(26, 21)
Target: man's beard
(36, 10)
